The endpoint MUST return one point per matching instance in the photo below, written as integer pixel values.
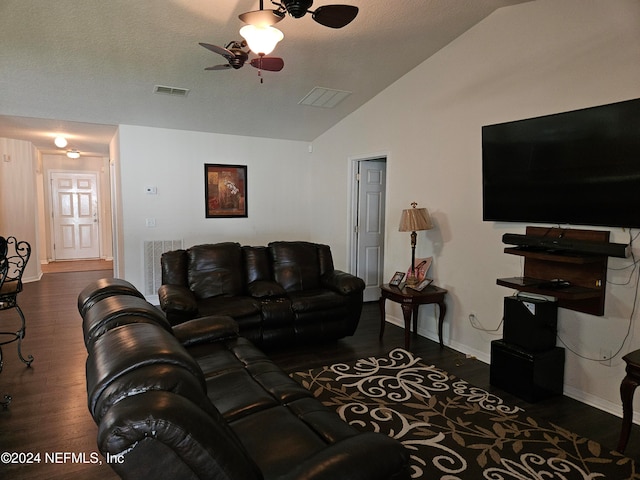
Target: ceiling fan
(236, 57)
(334, 16)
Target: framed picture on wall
(225, 190)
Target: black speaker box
(532, 376)
(530, 323)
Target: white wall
(18, 198)
(528, 60)
(173, 161)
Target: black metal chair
(14, 256)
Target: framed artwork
(225, 190)
(421, 286)
(422, 267)
(396, 279)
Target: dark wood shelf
(537, 285)
(554, 255)
(586, 273)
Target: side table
(627, 388)
(410, 300)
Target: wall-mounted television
(580, 167)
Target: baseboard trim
(569, 391)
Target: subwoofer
(530, 323)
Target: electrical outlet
(150, 222)
(605, 357)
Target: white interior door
(75, 215)
(370, 226)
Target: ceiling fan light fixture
(73, 154)
(261, 18)
(261, 40)
(60, 141)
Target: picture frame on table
(421, 286)
(422, 268)
(225, 190)
(396, 280)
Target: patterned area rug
(454, 430)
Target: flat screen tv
(580, 167)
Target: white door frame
(353, 207)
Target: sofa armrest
(160, 434)
(367, 456)
(206, 330)
(266, 289)
(177, 299)
(342, 282)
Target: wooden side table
(410, 300)
(627, 388)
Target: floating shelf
(537, 285)
(586, 273)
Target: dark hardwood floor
(49, 416)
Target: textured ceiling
(83, 67)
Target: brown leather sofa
(282, 293)
(196, 401)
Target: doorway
(369, 187)
(75, 221)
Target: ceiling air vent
(324, 97)
(175, 91)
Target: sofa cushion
(102, 288)
(235, 307)
(138, 345)
(153, 377)
(216, 269)
(266, 289)
(325, 258)
(289, 441)
(256, 263)
(162, 435)
(296, 265)
(235, 394)
(314, 300)
(174, 267)
(111, 312)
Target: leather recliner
(196, 401)
(282, 293)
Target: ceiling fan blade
(226, 66)
(335, 16)
(261, 18)
(228, 54)
(271, 64)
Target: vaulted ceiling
(84, 67)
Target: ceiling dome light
(60, 141)
(73, 154)
(261, 40)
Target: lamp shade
(261, 40)
(415, 219)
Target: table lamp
(412, 220)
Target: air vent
(175, 91)
(324, 97)
(153, 250)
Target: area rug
(454, 430)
